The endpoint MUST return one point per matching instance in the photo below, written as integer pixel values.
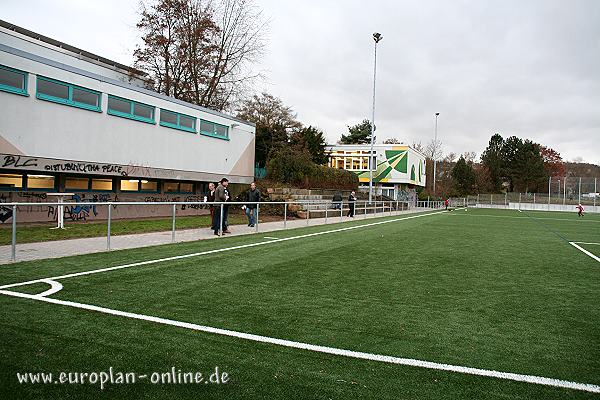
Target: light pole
(376, 37)
(435, 152)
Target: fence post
(565, 191)
(13, 247)
(505, 199)
(221, 221)
(285, 215)
(365, 209)
(519, 200)
(534, 198)
(307, 212)
(579, 190)
(342, 211)
(326, 209)
(549, 191)
(396, 206)
(256, 218)
(477, 198)
(174, 211)
(491, 199)
(108, 226)
(595, 191)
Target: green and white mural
(394, 167)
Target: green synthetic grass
(491, 289)
(76, 230)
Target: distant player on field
(446, 202)
(579, 207)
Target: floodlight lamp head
(437, 114)
(377, 37)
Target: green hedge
(296, 168)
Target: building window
(139, 185)
(65, 93)
(130, 109)
(213, 129)
(178, 187)
(11, 181)
(178, 121)
(76, 183)
(102, 184)
(40, 182)
(13, 80)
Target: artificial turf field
(491, 289)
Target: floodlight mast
(377, 38)
(435, 152)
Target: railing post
(13, 247)
(549, 191)
(519, 200)
(326, 209)
(534, 198)
(285, 215)
(342, 211)
(256, 218)
(307, 212)
(505, 199)
(221, 221)
(109, 218)
(396, 206)
(595, 191)
(579, 190)
(174, 211)
(365, 209)
(565, 191)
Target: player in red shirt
(579, 207)
(446, 202)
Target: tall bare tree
(201, 51)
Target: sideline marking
(243, 246)
(595, 244)
(270, 238)
(595, 257)
(538, 380)
(543, 218)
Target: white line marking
(243, 246)
(595, 244)
(538, 380)
(270, 238)
(595, 257)
(534, 217)
(55, 287)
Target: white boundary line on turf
(595, 244)
(538, 380)
(534, 217)
(574, 244)
(243, 246)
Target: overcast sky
(515, 67)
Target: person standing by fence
(221, 196)
(352, 204)
(252, 196)
(211, 198)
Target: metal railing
(302, 209)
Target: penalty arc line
(215, 251)
(533, 379)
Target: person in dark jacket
(252, 196)
(221, 196)
(337, 201)
(352, 204)
(211, 198)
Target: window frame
(131, 115)
(179, 187)
(214, 134)
(90, 179)
(13, 189)
(178, 124)
(27, 188)
(12, 89)
(139, 185)
(69, 101)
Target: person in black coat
(337, 201)
(252, 196)
(352, 204)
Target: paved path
(63, 248)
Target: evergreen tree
(494, 162)
(358, 134)
(463, 176)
